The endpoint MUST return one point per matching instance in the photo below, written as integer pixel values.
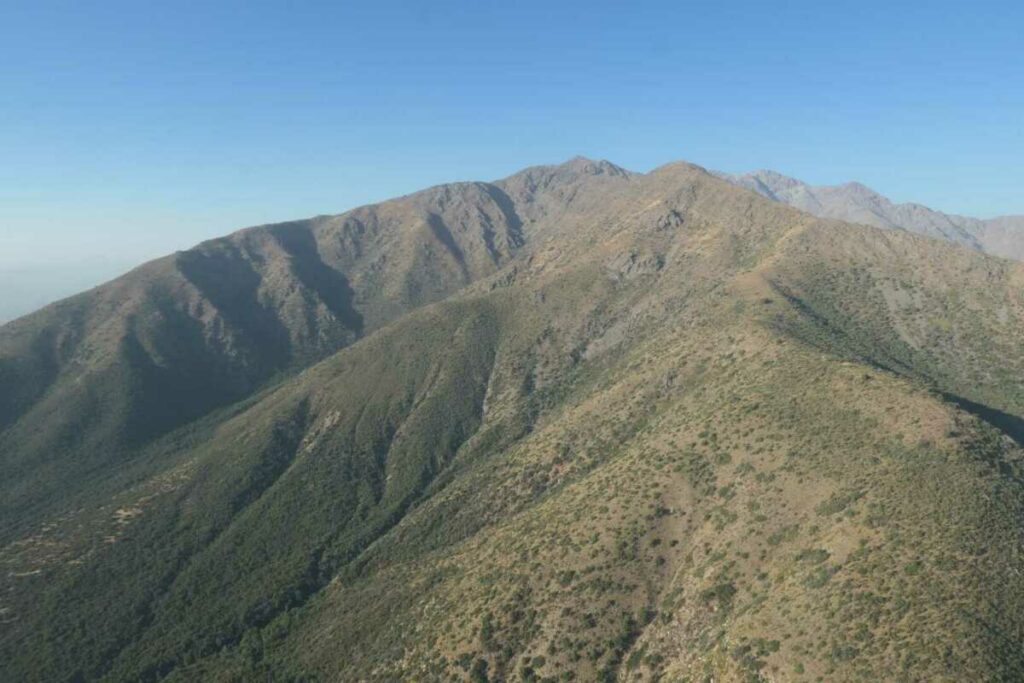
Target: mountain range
(855, 203)
(1004, 236)
(576, 424)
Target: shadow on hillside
(1009, 424)
(330, 285)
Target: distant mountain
(856, 203)
(576, 424)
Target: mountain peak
(587, 166)
(774, 177)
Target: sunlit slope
(686, 433)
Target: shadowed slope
(686, 433)
(88, 380)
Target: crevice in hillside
(336, 551)
(286, 441)
(323, 566)
(447, 240)
(513, 222)
(331, 286)
(177, 382)
(228, 280)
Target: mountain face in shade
(576, 424)
(856, 203)
(94, 376)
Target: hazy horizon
(129, 132)
(30, 283)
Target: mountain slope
(90, 379)
(856, 203)
(684, 432)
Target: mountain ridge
(234, 311)
(680, 430)
(855, 202)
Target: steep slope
(856, 203)
(90, 379)
(685, 433)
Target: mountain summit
(575, 424)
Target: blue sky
(129, 129)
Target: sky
(131, 129)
